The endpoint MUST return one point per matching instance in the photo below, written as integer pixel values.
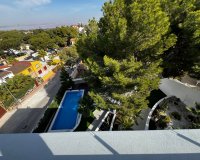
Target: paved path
(99, 115)
(189, 95)
(190, 80)
(141, 121)
(26, 117)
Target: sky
(56, 12)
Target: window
(40, 71)
(45, 67)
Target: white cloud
(32, 3)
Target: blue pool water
(68, 111)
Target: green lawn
(154, 97)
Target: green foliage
(185, 21)
(18, 86)
(85, 122)
(69, 55)
(87, 44)
(163, 121)
(122, 85)
(177, 9)
(176, 115)
(63, 34)
(133, 27)
(48, 116)
(58, 42)
(195, 117)
(196, 70)
(42, 54)
(10, 59)
(41, 41)
(86, 106)
(10, 39)
(124, 50)
(66, 83)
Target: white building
(25, 47)
(5, 75)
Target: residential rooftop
(19, 66)
(4, 67)
(4, 73)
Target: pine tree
(124, 49)
(185, 19)
(66, 83)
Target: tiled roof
(4, 66)
(19, 67)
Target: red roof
(4, 66)
(22, 63)
(19, 66)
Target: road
(189, 95)
(30, 111)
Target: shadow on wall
(42, 147)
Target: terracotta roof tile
(19, 67)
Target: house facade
(33, 69)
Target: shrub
(163, 121)
(48, 116)
(167, 119)
(176, 115)
(191, 118)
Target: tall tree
(69, 55)
(124, 48)
(17, 87)
(66, 83)
(184, 18)
(42, 54)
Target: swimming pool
(67, 117)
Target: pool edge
(78, 119)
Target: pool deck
(99, 116)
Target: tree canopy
(18, 86)
(69, 55)
(184, 23)
(122, 52)
(39, 39)
(42, 54)
(10, 39)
